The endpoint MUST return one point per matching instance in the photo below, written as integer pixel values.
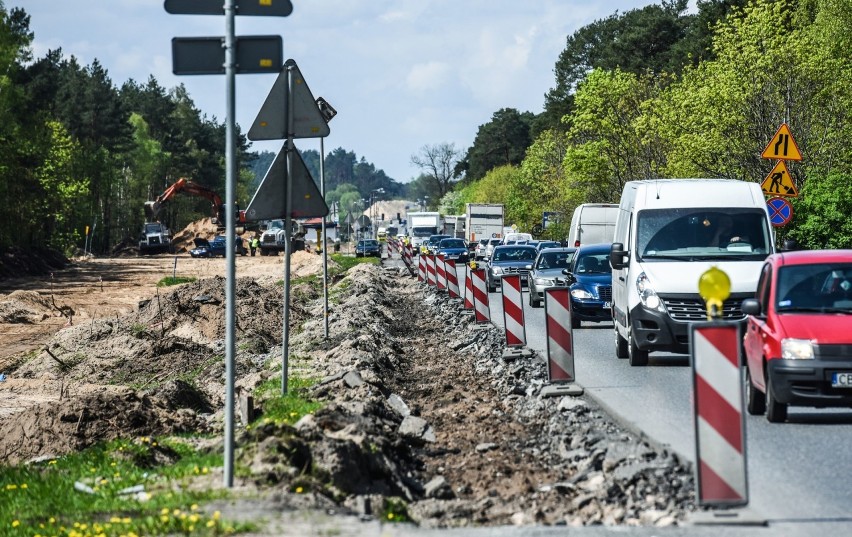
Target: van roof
(664, 193)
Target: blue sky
(400, 73)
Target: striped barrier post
(441, 273)
(452, 278)
(430, 270)
(406, 254)
(513, 311)
(480, 296)
(421, 268)
(720, 446)
(467, 306)
(560, 343)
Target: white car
(490, 247)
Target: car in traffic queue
(479, 250)
(798, 335)
(455, 249)
(368, 247)
(216, 247)
(541, 245)
(431, 245)
(489, 247)
(547, 268)
(509, 259)
(591, 293)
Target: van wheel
(635, 355)
(755, 400)
(775, 412)
(620, 345)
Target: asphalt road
(799, 473)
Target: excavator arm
(217, 206)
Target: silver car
(489, 248)
(548, 265)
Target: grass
(84, 494)
(290, 407)
(169, 280)
(346, 262)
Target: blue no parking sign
(780, 211)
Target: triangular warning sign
(308, 121)
(779, 182)
(782, 146)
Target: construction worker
(254, 244)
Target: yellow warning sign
(779, 182)
(782, 146)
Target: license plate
(607, 305)
(841, 380)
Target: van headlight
(797, 349)
(647, 295)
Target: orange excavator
(182, 185)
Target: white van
(668, 233)
(512, 238)
(592, 223)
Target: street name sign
(271, 8)
(206, 55)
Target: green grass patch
(290, 407)
(169, 280)
(346, 262)
(89, 493)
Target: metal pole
(291, 149)
(324, 245)
(230, 281)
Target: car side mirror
(570, 279)
(618, 257)
(751, 306)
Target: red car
(798, 340)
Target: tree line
(658, 92)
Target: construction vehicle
(273, 239)
(155, 239)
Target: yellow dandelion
(113, 464)
(211, 523)
(193, 518)
(164, 518)
(52, 462)
(176, 512)
(204, 470)
(153, 444)
(164, 511)
(16, 523)
(103, 481)
(298, 490)
(216, 515)
(23, 485)
(115, 520)
(92, 470)
(193, 507)
(390, 516)
(11, 486)
(125, 520)
(52, 520)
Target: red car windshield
(819, 287)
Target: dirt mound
(203, 229)
(26, 307)
(59, 427)
(17, 262)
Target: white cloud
(429, 76)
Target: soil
(417, 404)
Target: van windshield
(702, 234)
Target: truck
(454, 226)
(423, 225)
(484, 221)
(155, 239)
(273, 239)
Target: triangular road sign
(270, 123)
(779, 182)
(270, 200)
(782, 146)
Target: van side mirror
(618, 257)
(751, 306)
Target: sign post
(779, 183)
(196, 56)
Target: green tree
(503, 140)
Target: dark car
(368, 247)
(432, 244)
(798, 342)
(509, 259)
(548, 266)
(591, 294)
(216, 247)
(541, 245)
(455, 249)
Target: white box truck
(423, 225)
(592, 223)
(668, 233)
(484, 221)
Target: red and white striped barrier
(513, 311)
(430, 270)
(441, 272)
(452, 278)
(480, 296)
(719, 425)
(468, 289)
(421, 268)
(560, 337)
(407, 255)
